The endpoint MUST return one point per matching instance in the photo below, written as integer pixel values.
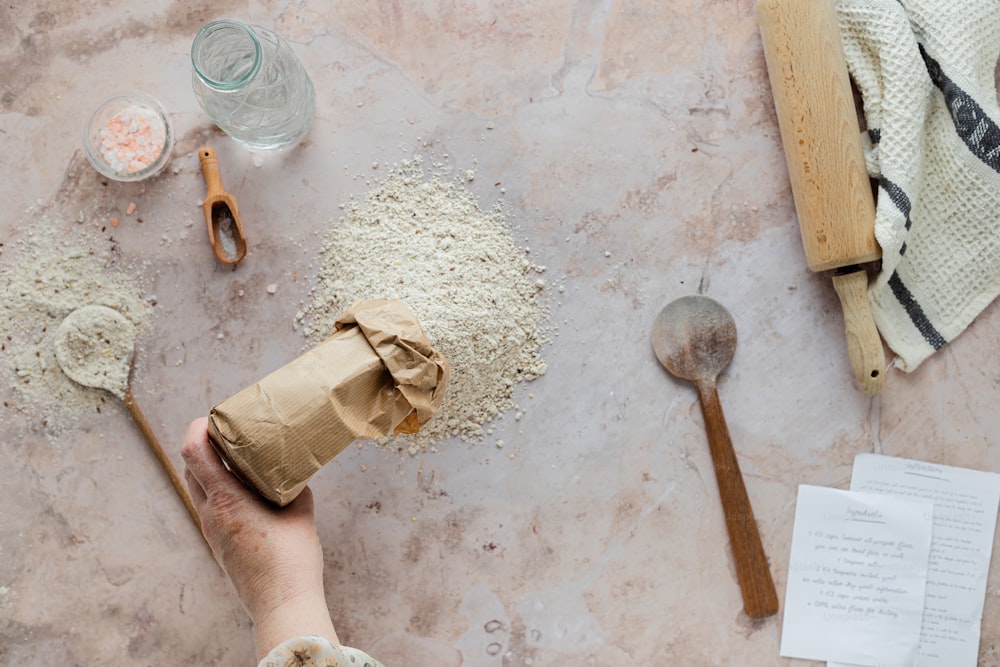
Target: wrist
(297, 616)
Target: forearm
(297, 617)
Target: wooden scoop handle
(210, 168)
(752, 570)
(161, 456)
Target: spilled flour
(50, 270)
(94, 347)
(476, 295)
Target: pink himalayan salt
(132, 139)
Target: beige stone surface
(635, 146)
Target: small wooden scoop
(222, 216)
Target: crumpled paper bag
(377, 374)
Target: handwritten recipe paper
(965, 515)
(856, 577)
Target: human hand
(272, 556)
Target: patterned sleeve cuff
(315, 651)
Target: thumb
(203, 461)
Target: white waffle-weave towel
(925, 70)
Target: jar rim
(211, 29)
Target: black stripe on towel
(973, 126)
(898, 198)
(916, 313)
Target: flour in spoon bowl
(94, 347)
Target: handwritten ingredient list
(965, 515)
(856, 578)
(894, 571)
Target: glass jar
(249, 82)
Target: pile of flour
(477, 296)
(50, 270)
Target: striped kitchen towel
(925, 70)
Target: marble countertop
(639, 157)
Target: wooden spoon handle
(161, 456)
(756, 585)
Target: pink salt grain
(132, 139)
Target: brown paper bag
(377, 374)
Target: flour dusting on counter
(50, 270)
(426, 242)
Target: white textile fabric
(316, 652)
(925, 70)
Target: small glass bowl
(129, 137)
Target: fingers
(208, 478)
(302, 505)
(189, 452)
(195, 440)
(203, 462)
(197, 492)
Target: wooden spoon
(94, 346)
(694, 337)
(222, 215)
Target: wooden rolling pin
(826, 164)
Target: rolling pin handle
(864, 346)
